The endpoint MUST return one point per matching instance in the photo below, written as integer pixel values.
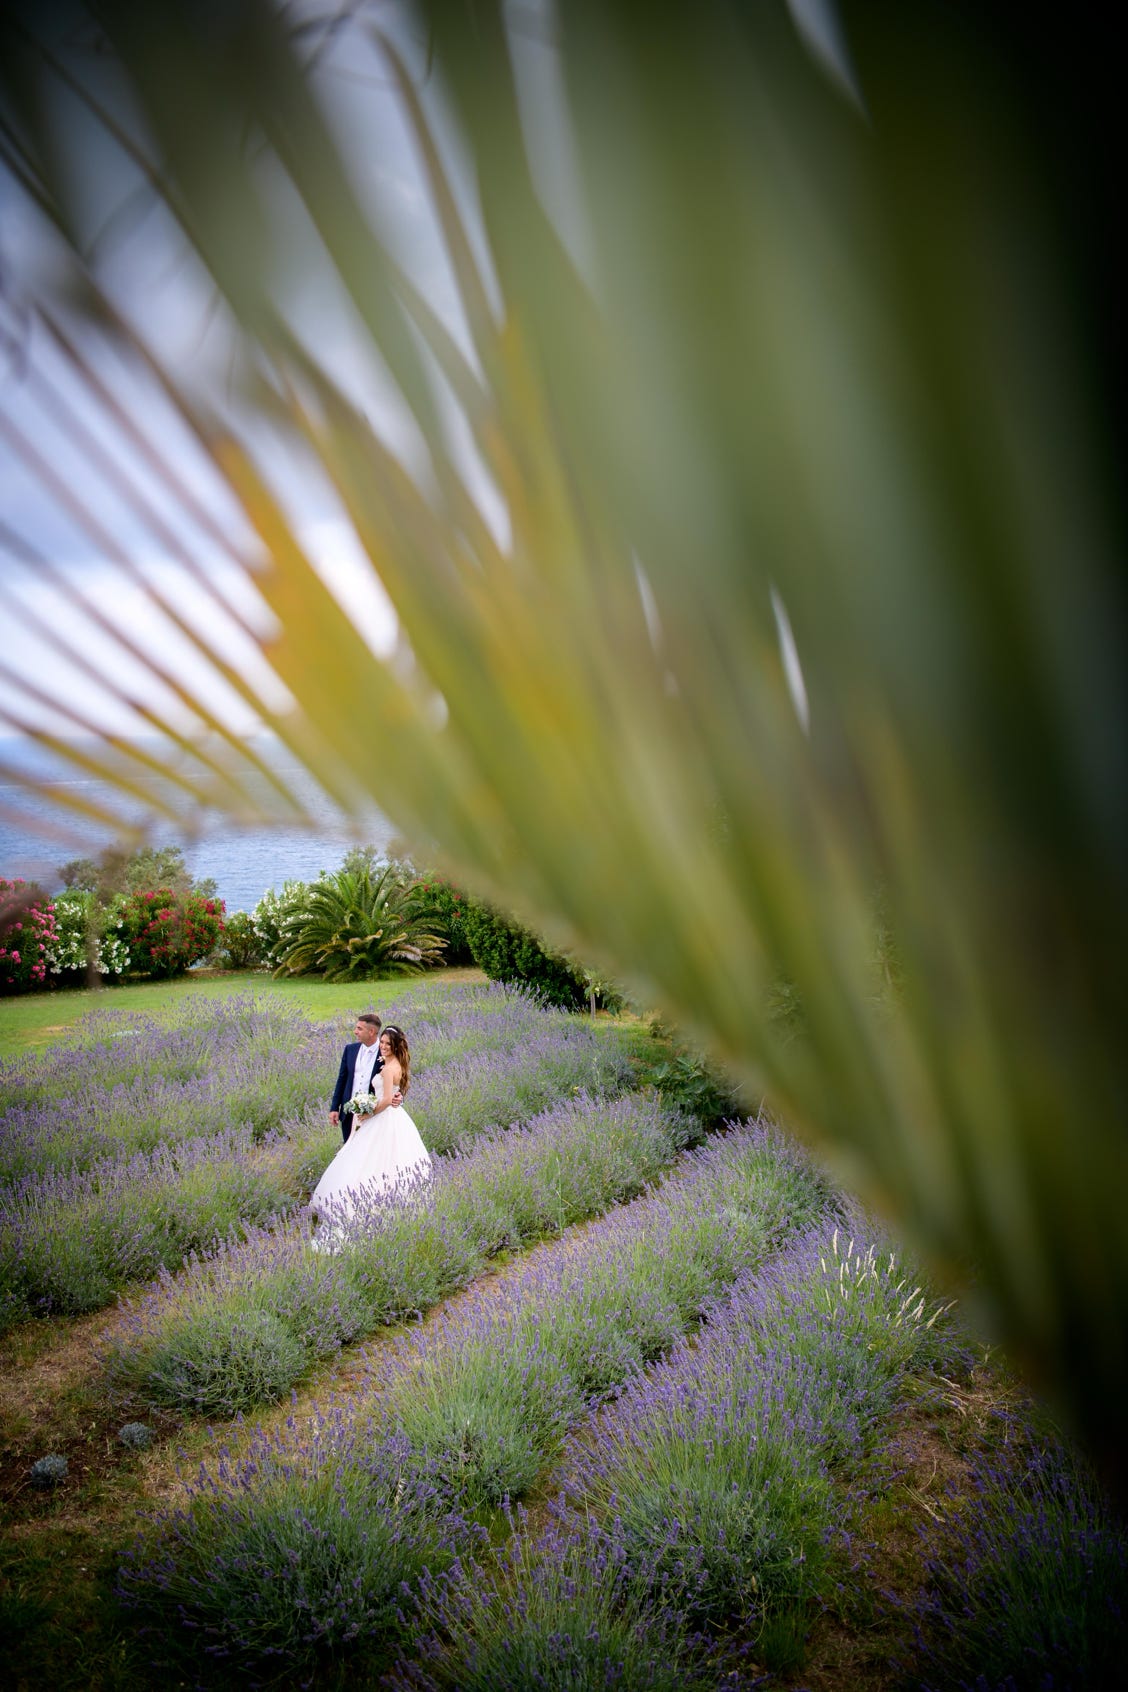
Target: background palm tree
(356, 925)
(748, 529)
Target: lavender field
(618, 1398)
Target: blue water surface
(243, 861)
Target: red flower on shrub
(34, 923)
(180, 932)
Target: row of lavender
(137, 1145)
(696, 1526)
(238, 1326)
(695, 1483)
(461, 1418)
(126, 1083)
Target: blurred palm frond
(797, 385)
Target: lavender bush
(70, 1240)
(104, 1149)
(474, 1404)
(704, 1497)
(1031, 1593)
(394, 1258)
(558, 1614)
(491, 1388)
(456, 1101)
(126, 1083)
(712, 1473)
(282, 1559)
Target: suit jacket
(344, 1089)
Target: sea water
(244, 862)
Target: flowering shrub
(27, 929)
(450, 907)
(168, 931)
(242, 946)
(86, 934)
(273, 912)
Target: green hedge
(509, 953)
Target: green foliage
(513, 954)
(694, 1083)
(167, 931)
(118, 871)
(242, 946)
(451, 906)
(373, 860)
(354, 926)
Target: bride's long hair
(398, 1041)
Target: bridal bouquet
(363, 1104)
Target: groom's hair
(369, 1016)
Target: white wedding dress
(384, 1155)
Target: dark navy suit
(344, 1090)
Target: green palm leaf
(812, 365)
(355, 926)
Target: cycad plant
(356, 925)
(727, 434)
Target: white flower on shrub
(69, 948)
(274, 912)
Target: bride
(383, 1153)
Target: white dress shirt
(365, 1064)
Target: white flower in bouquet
(363, 1104)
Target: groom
(360, 1064)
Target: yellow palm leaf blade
(61, 798)
(149, 659)
(115, 770)
(199, 763)
(381, 747)
(471, 291)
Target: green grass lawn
(35, 1019)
